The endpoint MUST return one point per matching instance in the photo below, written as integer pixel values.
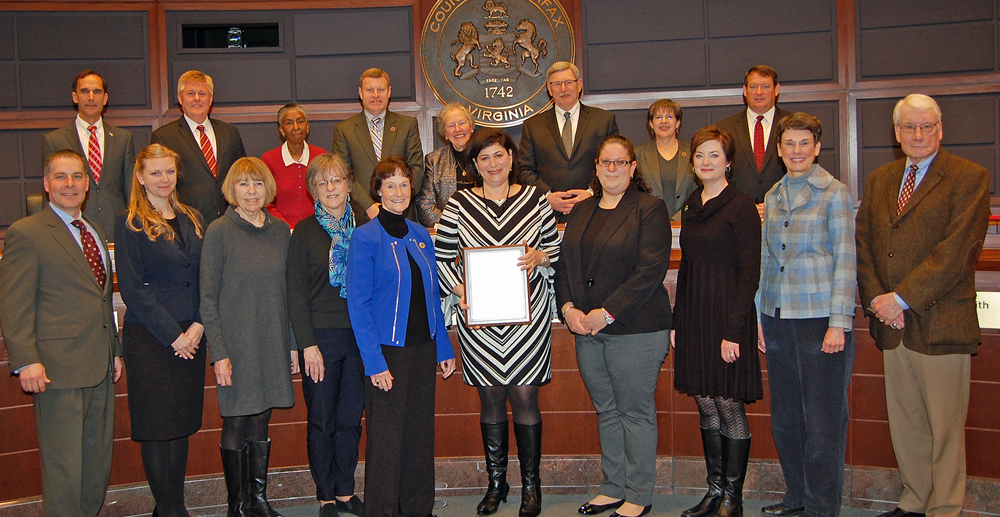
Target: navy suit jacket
(196, 187)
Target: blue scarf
(340, 240)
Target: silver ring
(895, 326)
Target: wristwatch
(609, 319)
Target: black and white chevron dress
(502, 354)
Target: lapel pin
(393, 128)
(420, 244)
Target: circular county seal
(492, 55)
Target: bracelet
(571, 306)
(608, 319)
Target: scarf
(340, 240)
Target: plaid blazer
(808, 262)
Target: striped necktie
(206, 149)
(376, 132)
(907, 191)
(94, 154)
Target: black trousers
(334, 414)
(399, 453)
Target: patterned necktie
(92, 252)
(377, 136)
(758, 143)
(206, 149)
(94, 154)
(908, 185)
(567, 133)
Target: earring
(729, 168)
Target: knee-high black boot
(234, 469)
(711, 441)
(529, 452)
(495, 443)
(735, 456)
(256, 504)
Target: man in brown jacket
(920, 229)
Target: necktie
(907, 191)
(567, 133)
(377, 136)
(206, 149)
(92, 252)
(94, 154)
(758, 142)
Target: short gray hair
(559, 66)
(917, 101)
(447, 110)
(289, 107)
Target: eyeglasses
(559, 84)
(909, 129)
(620, 163)
(336, 182)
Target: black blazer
(196, 187)
(629, 262)
(745, 176)
(542, 160)
(158, 280)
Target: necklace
(499, 208)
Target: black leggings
(728, 415)
(237, 430)
(523, 404)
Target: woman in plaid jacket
(807, 300)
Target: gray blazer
(438, 187)
(106, 199)
(684, 180)
(353, 142)
(53, 310)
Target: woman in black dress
(157, 257)
(332, 383)
(715, 325)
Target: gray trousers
(75, 435)
(620, 373)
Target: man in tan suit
(62, 338)
(920, 229)
(365, 138)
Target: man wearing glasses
(559, 146)
(757, 166)
(920, 229)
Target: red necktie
(908, 185)
(206, 149)
(94, 154)
(92, 252)
(758, 143)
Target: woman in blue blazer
(394, 304)
(157, 257)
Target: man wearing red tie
(919, 231)
(62, 338)
(107, 150)
(757, 166)
(208, 147)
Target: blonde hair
(140, 210)
(252, 169)
(559, 66)
(193, 77)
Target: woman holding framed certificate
(609, 283)
(503, 362)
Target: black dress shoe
(328, 510)
(645, 510)
(899, 512)
(780, 510)
(354, 505)
(594, 509)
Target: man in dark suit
(757, 166)
(365, 138)
(108, 150)
(557, 158)
(207, 147)
(920, 229)
(62, 338)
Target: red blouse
(292, 201)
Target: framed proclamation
(496, 288)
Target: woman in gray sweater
(244, 307)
